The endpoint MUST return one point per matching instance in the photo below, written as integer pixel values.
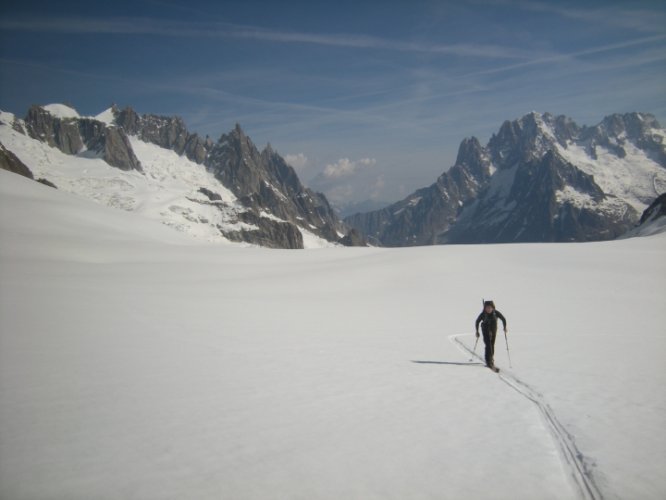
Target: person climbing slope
(488, 321)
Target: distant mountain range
(541, 178)
(216, 190)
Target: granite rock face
(532, 210)
(165, 132)
(655, 211)
(273, 207)
(10, 162)
(263, 181)
(539, 178)
(420, 218)
(82, 136)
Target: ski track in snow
(573, 459)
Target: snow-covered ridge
(620, 167)
(7, 118)
(170, 188)
(106, 116)
(62, 111)
(635, 178)
(541, 177)
(165, 192)
(610, 204)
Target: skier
(488, 321)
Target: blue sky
(367, 99)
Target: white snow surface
(609, 205)
(62, 111)
(106, 116)
(635, 179)
(137, 363)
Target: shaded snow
(649, 228)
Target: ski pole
(507, 349)
(477, 341)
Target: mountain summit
(539, 178)
(226, 190)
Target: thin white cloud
(299, 161)
(160, 27)
(644, 20)
(345, 167)
(572, 55)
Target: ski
(494, 368)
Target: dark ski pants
(489, 340)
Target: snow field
(137, 364)
(635, 179)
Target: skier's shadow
(471, 363)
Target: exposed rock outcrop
(9, 161)
(82, 136)
(656, 210)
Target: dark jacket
(489, 321)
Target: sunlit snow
(138, 363)
(61, 111)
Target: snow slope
(167, 191)
(62, 111)
(135, 363)
(636, 178)
(106, 116)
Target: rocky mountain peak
(474, 158)
(470, 150)
(128, 119)
(168, 132)
(271, 207)
(237, 140)
(540, 178)
(238, 134)
(521, 140)
(56, 126)
(632, 125)
(617, 131)
(265, 182)
(564, 128)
